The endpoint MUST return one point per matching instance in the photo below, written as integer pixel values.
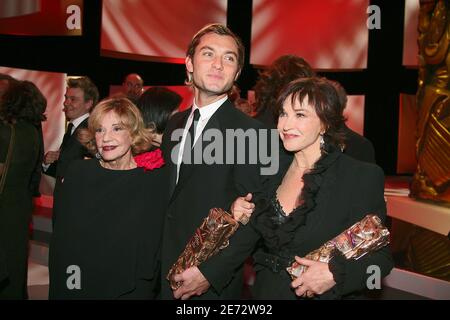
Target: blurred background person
(81, 96)
(22, 109)
(282, 71)
(5, 79)
(110, 211)
(4, 83)
(244, 106)
(235, 93)
(133, 87)
(354, 145)
(240, 103)
(157, 105)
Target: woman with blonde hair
(109, 212)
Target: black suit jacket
(349, 190)
(202, 188)
(357, 146)
(72, 150)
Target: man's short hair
(221, 30)
(89, 88)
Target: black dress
(338, 192)
(109, 226)
(22, 181)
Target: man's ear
(189, 65)
(90, 104)
(237, 74)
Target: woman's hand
(242, 208)
(317, 278)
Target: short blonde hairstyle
(131, 119)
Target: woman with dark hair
(157, 105)
(110, 212)
(22, 109)
(282, 71)
(311, 200)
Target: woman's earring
(98, 156)
(322, 142)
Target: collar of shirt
(207, 111)
(76, 122)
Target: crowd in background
(124, 210)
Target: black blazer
(357, 146)
(72, 150)
(204, 187)
(349, 189)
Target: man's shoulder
(84, 124)
(235, 118)
(351, 167)
(175, 120)
(179, 115)
(355, 138)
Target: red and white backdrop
(328, 34)
(41, 17)
(184, 91)
(159, 30)
(410, 47)
(406, 155)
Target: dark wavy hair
(341, 93)
(157, 105)
(324, 98)
(23, 101)
(282, 71)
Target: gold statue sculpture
(432, 178)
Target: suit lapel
(73, 142)
(213, 123)
(181, 123)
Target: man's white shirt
(206, 112)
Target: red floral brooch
(150, 160)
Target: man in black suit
(355, 145)
(214, 60)
(81, 96)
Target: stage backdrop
(410, 47)
(155, 30)
(407, 126)
(184, 91)
(41, 17)
(329, 34)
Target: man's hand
(51, 157)
(242, 208)
(194, 283)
